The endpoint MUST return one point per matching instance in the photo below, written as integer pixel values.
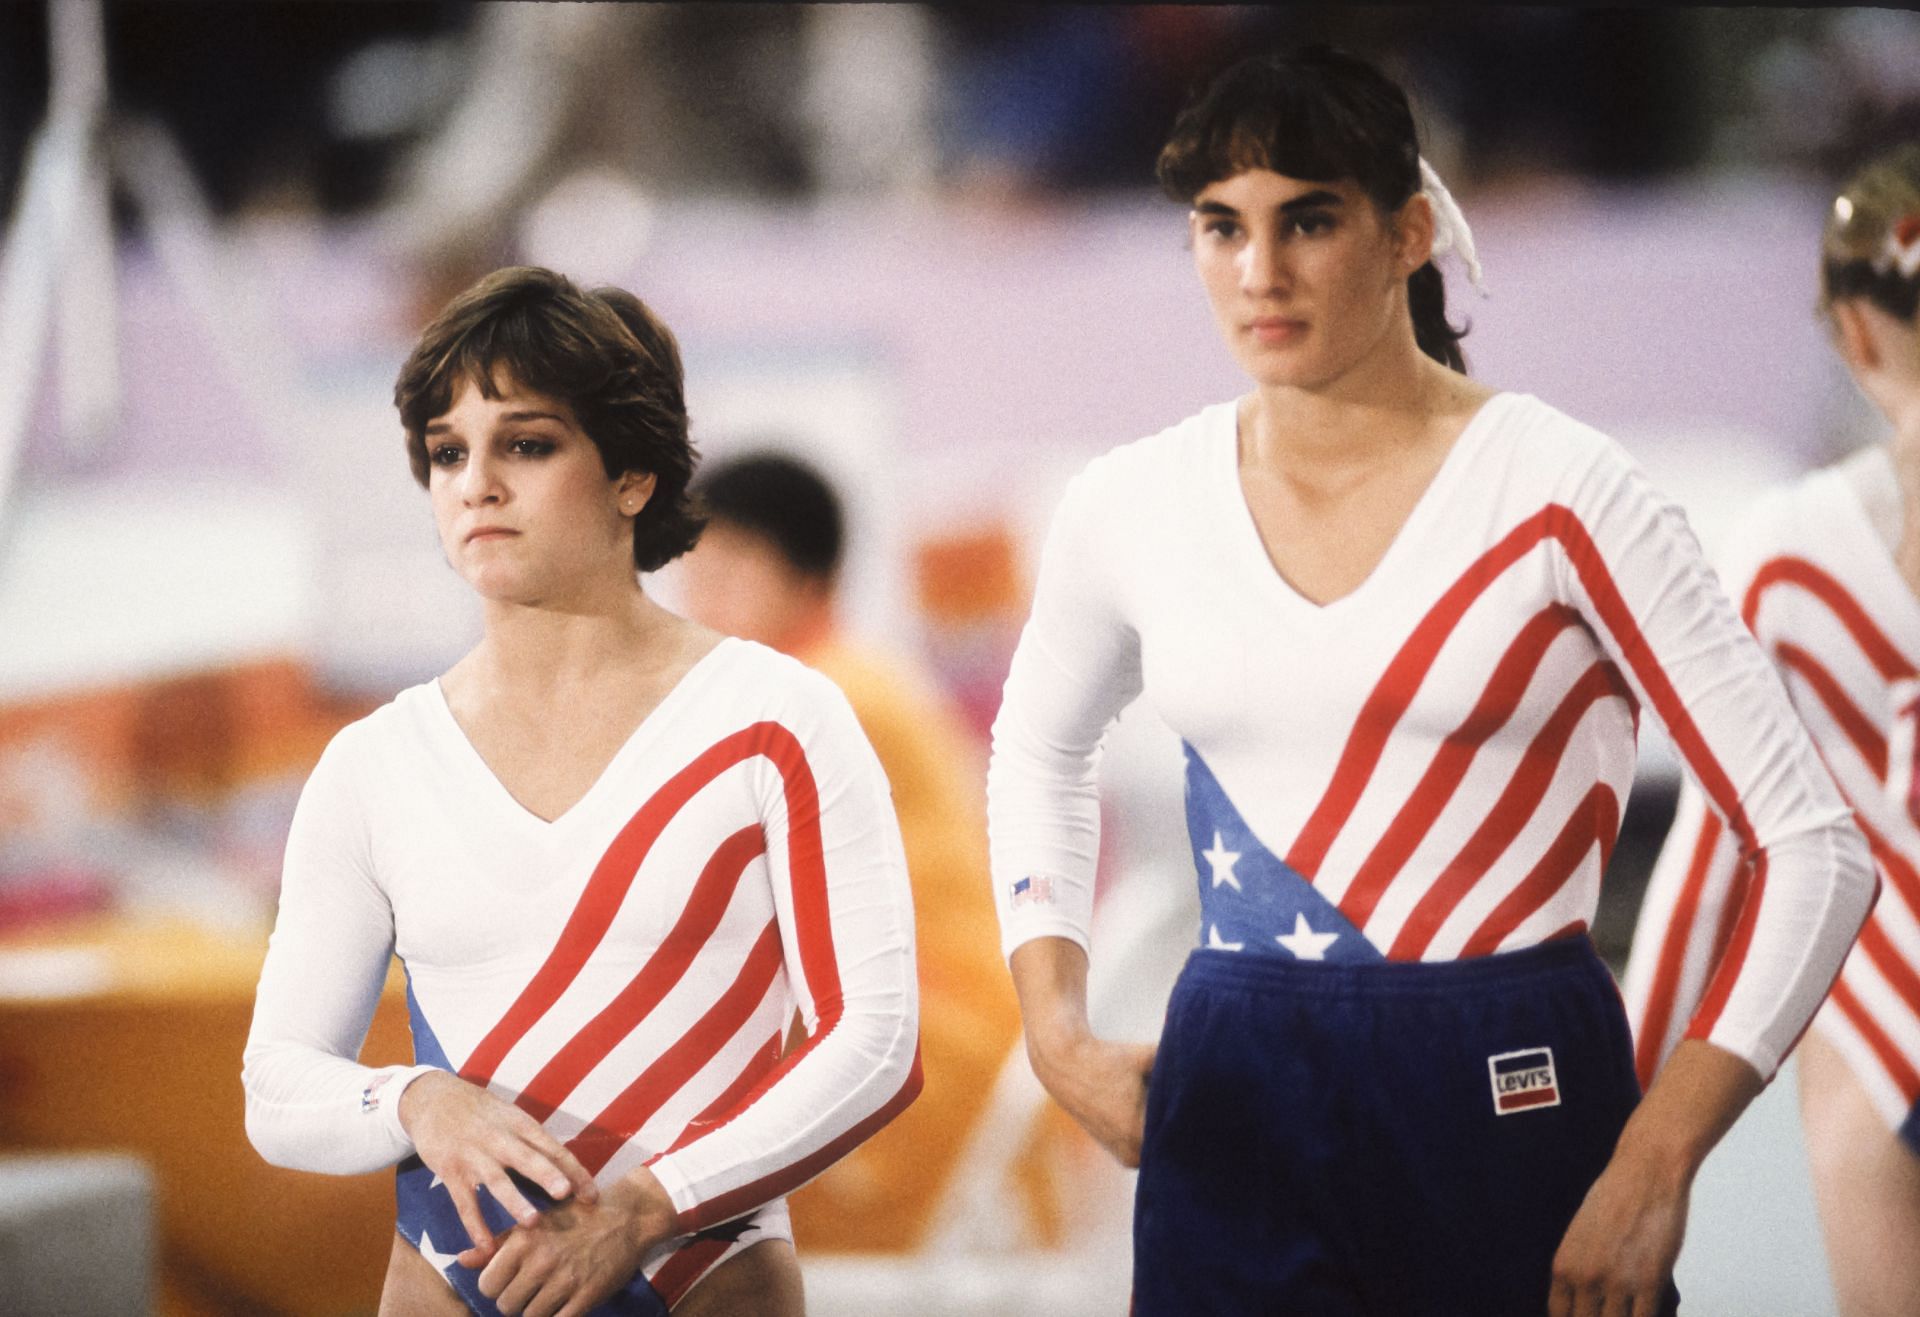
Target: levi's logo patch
(1523, 1080)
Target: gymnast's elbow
(1856, 877)
(887, 1031)
(274, 1128)
(898, 1078)
(269, 1135)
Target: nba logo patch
(1523, 1080)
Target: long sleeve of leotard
(1701, 882)
(1685, 922)
(309, 1105)
(1076, 667)
(844, 917)
(1636, 573)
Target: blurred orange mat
(126, 1036)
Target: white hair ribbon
(1450, 231)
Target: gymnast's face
(1306, 279)
(524, 507)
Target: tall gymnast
(614, 852)
(1827, 572)
(1406, 625)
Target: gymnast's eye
(1312, 223)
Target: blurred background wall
(917, 244)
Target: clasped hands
(562, 1261)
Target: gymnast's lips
(1276, 329)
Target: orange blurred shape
(151, 1063)
(187, 738)
(969, 575)
(148, 1062)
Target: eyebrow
(443, 427)
(1306, 201)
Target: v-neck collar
(509, 806)
(1252, 549)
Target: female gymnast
(614, 852)
(1827, 572)
(1405, 625)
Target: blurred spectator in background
(456, 124)
(456, 118)
(1817, 90)
(666, 96)
(252, 92)
(766, 568)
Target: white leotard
(626, 972)
(1434, 765)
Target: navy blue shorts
(1404, 1139)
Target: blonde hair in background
(1871, 245)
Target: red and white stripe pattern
(1524, 865)
(1820, 591)
(627, 973)
(1444, 753)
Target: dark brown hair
(785, 502)
(603, 353)
(1318, 114)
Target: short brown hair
(603, 353)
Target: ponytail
(1427, 303)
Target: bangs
(1295, 119)
(536, 349)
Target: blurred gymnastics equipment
(60, 241)
(154, 699)
(127, 583)
(76, 1235)
(709, 101)
(58, 279)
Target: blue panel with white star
(428, 1219)
(1250, 900)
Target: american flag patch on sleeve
(370, 1095)
(1032, 890)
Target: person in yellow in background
(767, 569)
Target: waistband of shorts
(1504, 971)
